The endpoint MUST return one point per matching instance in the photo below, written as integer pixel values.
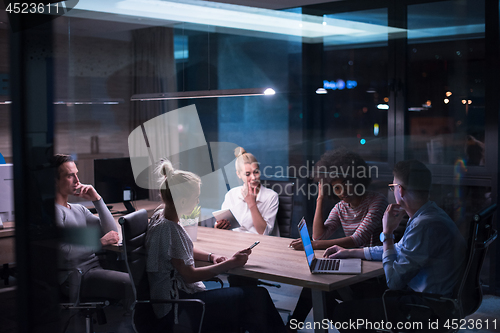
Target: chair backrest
(481, 235)
(134, 228)
(285, 190)
(191, 313)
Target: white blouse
(267, 204)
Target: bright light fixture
(269, 91)
(203, 94)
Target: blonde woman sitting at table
(173, 274)
(253, 205)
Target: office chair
(467, 296)
(285, 190)
(88, 307)
(134, 229)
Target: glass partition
(446, 83)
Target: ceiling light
(203, 94)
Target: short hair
(342, 164)
(414, 175)
(60, 159)
(242, 158)
(186, 183)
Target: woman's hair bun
(166, 169)
(239, 151)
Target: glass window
(355, 81)
(446, 58)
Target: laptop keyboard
(329, 265)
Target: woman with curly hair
(359, 212)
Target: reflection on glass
(355, 77)
(446, 82)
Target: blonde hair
(186, 183)
(242, 158)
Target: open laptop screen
(306, 241)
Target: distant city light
(321, 91)
(351, 84)
(375, 129)
(383, 107)
(339, 84)
(362, 141)
(464, 101)
(448, 93)
(428, 103)
(469, 102)
(386, 99)
(446, 101)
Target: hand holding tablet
(228, 216)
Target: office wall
(96, 69)
(5, 137)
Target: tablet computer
(226, 214)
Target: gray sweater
(73, 254)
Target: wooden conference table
(273, 260)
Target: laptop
(325, 265)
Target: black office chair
(134, 228)
(285, 190)
(87, 307)
(467, 296)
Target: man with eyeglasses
(427, 259)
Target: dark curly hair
(342, 164)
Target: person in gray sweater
(80, 260)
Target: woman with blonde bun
(173, 275)
(253, 205)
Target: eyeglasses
(391, 186)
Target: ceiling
(274, 4)
(114, 19)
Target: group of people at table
(427, 259)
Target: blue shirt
(428, 258)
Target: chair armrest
(170, 301)
(487, 242)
